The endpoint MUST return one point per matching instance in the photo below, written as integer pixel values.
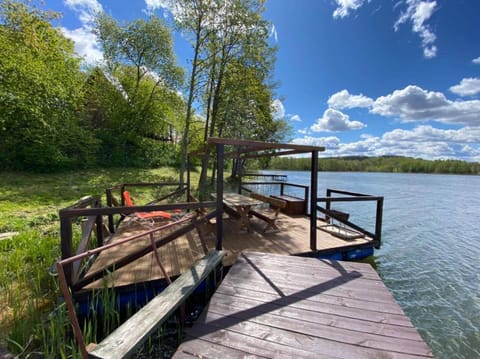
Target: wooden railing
(91, 214)
(93, 221)
(69, 284)
(68, 215)
(353, 197)
(272, 176)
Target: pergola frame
(245, 149)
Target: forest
(137, 108)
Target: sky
(359, 77)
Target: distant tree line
(377, 164)
(138, 108)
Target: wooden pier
(179, 255)
(275, 306)
(271, 304)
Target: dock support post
(220, 160)
(313, 201)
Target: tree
(140, 64)
(238, 94)
(40, 93)
(194, 19)
(225, 36)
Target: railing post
(122, 189)
(328, 204)
(305, 210)
(99, 225)
(378, 222)
(281, 189)
(111, 224)
(66, 245)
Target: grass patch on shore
(29, 205)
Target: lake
(430, 255)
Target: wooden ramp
(276, 306)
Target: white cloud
(346, 6)
(418, 13)
(421, 142)
(304, 131)
(168, 5)
(330, 142)
(433, 143)
(415, 104)
(273, 32)
(335, 121)
(476, 61)
(278, 111)
(86, 44)
(343, 99)
(467, 87)
(86, 9)
(431, 134)
(295, 118)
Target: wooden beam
(260, 145)
(104, 211)
(129, 337)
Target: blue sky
(360, 77)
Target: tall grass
(29, 205)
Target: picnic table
(242, 205)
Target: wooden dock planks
(127, 338)
(277, 306)
(180, 254)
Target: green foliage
(132, 105)
(145, 45)
(56, 117)
(378, 164)
(40, 93)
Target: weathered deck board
(127, 338)
(323, 312)
(179, 255)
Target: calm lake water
(430, 255)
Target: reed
(30, 319)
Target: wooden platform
(276, 306)
(179, 255)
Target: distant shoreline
(387, 164)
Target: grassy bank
(29, 205)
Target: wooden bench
(232, 212)
(270, 214)
(295, 205)
(128, 338)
